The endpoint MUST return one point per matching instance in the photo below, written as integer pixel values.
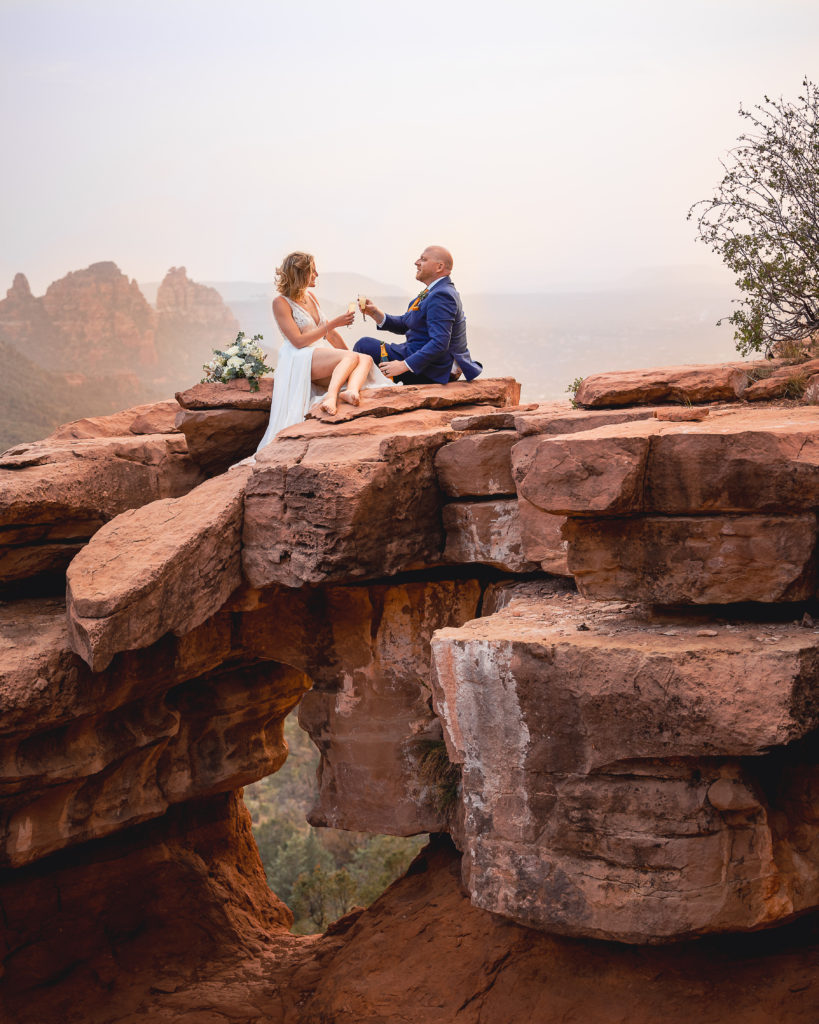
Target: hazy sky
(545, 143)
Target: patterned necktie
(416, 302)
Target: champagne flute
(362, 305)
(350, 309)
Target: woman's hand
(341, 321)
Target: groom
(435, 327)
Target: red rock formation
(720, 510)
(192, 321)
(423, 953)
(92, 343)
(477, 465)
(86, 754)
(486, 533)
(708, 383)
(58, 492)
(366, 649)
(625, 774)
(135, 916)
(166, 566)
(102, 319)
(223, 423)
(603, 789)
(24, 321)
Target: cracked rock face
(58, 492)
(615, 782)
(369, 712)
(716, 511)
(85, 754)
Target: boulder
(694, 559)
(234, 394)
(218, 438)
(590, 752)
(736, 460)
(163, 568)
(477, 465)
(541, 537)
(723, 382)
(485, 533)
(153, 418)
(345, 505)
(58, 493)
(585, 473)
(495, 391)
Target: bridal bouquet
(244, 358)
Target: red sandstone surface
(627, 773)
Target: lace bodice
(304, 321)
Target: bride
(313, 358)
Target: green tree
(320, 873)
(763, 220)
(323, 896)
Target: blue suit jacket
(435, 328)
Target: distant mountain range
(93, 345)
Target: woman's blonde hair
(294, 273)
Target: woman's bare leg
(342, 362)
(357, 378)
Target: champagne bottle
(383, 358)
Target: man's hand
(394, 367)
(373, 311)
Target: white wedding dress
(294, 393)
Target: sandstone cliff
(93, 345)
(192, 320)
(634, 762)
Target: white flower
(220, 360)
(232, 351)
(235, 362)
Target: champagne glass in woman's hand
(351, 309)
(343, 320)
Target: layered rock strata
(366, 649)
(84, 754)
(626, 774)
(717, 511)
(58, 492)
(664, 826)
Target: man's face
(427, 268)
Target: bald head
(440, 255)
(434, 262)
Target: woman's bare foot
(350, 397)
(329, 407)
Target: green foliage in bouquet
(244, 358)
